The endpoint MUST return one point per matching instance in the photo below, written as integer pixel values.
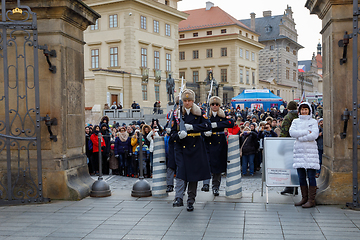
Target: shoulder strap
(243, 144)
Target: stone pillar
(335, 182)
(221, 91)
(203, 94)
(60, 27)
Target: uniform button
(183, 146)
(194, 145)
(219, 142)
(210, 143)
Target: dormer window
(268, 28)
(166, 2)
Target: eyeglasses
(122, 130)
(215, 104)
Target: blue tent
(256, 98)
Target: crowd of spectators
(120, 143)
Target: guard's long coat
(216, 144)
(190, 153)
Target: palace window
(181, 55)
(196, 54)
(143, 57)
(195, 34)
(223, 30)
(157, 93)
(157, 60)
(114, 57)
(223, 52)
(167, 30)
(209, 53)
(113, 22)
(95, 58)
(144, 92)
(96, 26)
(224, 75)
(156, 26)
(168, 62)
(241, 76)
(195, 76)
(142, 22)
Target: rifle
(210, 92)
(171, 115)
(182, 124)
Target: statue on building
(170, 87)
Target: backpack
(90, 145)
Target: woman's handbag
(243, 146)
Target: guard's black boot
(216, 192)
(170, 188)
(178, 202)
(190, 207)
(205, 188)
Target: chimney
(209, 5)
(267, 13)
(252, 15)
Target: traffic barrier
(233, 174)
(159, 168)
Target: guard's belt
(194, 134)
(215, 133)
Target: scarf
(123, 136)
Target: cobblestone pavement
(121, 216)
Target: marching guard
(190, 151)
(216, 142)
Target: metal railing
(133, 113)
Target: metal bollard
(141, 187)
(159, 172)
(100, 188)
(233, 175)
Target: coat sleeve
(149, 136)
(226, 123)
(203, 126)
(311, 136)
(273, 133)
(133, 141)
(129, 145)
(295, 132)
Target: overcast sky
(308, 26)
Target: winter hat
(215, 99)
(292, 105)
(188, 94)
(320, 119)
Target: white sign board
(256, 91)
(278, 161)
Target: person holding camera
(134, 144)
(123, 150)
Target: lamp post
(141, 187)
(100, 188)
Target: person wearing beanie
(285, 126)
(306, 159)
(216, 143)
(190, 151)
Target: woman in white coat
(306, 158)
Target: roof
(202, 18)
(307, 64)
(268, 28)
(262, 23)
(249, 95)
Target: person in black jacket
(88, 151)
(249, 145)
(106, 150)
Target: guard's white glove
(214, 125)
(189, 127)
(208, 133)
(168, 130)
(182, 134)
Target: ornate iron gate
(20, 145)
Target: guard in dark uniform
(216, 142)
(190, 151)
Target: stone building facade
(278, 59)
(310, 77)
(129, 53)
(212, 39)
